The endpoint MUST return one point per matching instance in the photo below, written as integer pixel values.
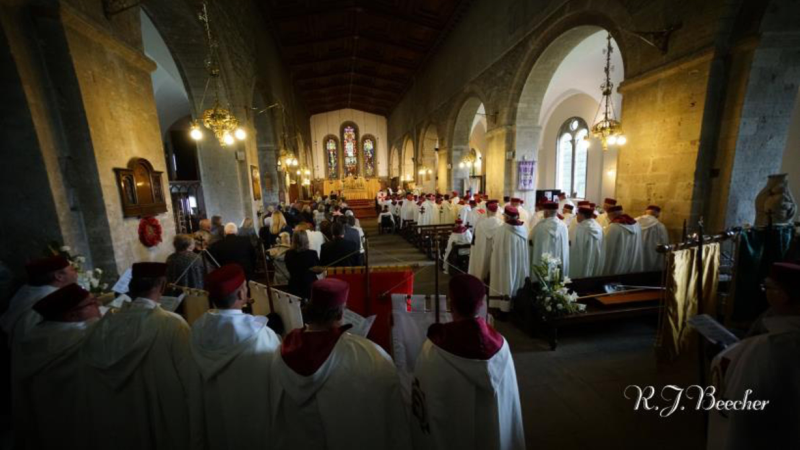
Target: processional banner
(526, 175)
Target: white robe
(602, 220)
(47, 372)
(464, 238)
(573, 225)
(524, 215)
(654, 233)
(233, 352)
(568, 219)
(477, 214)
(447, 215)
(464, 214)
(510, 263)
(481, 253)
(140, 369)
(20, 316)
(767, 364)
(408, 215)
(550, 236)
(353, 401)
(315, 241)
(561, 204)
(469, 404)
(429, 215)
(534, 220)
(586, 251)
(622, 249)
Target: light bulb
(227, 139)
(622, 140)
(611, 140)
(298, 172)
(195, 133)
(240, 134)
(308, 172)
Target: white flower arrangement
(554, 299)
(87, 279)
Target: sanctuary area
(407, 224)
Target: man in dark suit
(233, 249)
(339, 252)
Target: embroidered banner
(526, 174)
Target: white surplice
(47, 373)
(20, 316)
(481, 253)
(470, 404)
(602, 220)
(533, 220)
(427, 213)
(477, 214)
(140, 369)
(768, 365)
(353, 401)
(568, 219)
(448, 215)
(622, 249)
(510, 263)
(586, 250)
(550, 236)
(408, 211)
(464, 214)
(524, 215)
(464, 238)
(654, 233)
(233, 352)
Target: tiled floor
(572, 398)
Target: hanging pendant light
(608, 129)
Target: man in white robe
(465, 394)
(586, 250)
(407, 210)
(480, 255)
(45, 276)
(622, 247)
(47, 369)
(603, 220)
(574, 223)
(524, 215)
(510, 263)
(568, 214)
(233, 353)
(140, 369)
(459, 236)
(447, 210)
(766, 368)
(654, 233)
(332, 389)
(477, 214)
(564, 200)
(550, 236)
(464, 213)
(428, 212)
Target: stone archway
(459, 147)
(429, 147)
(409, 158)
(394, 163)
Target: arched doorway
(563, 85)
(408, 161)
(429, 159)
(462, 176)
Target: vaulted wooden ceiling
(360, 54)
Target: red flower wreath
(149, 231)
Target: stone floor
(573, 397)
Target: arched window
(331, 156)
(350, 146)
(572, 150)
(368, 146)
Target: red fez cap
(461, 202)
(472, 203)
(550, 206)
(329, 292)
(409, 196)
(394, 202)
(584, 203)
(467, 291)
(431, 196)
(149, 270)
(459, 221)
(787, 275)
(44, 266)
(654, 208)
(592, 205)
(486, 196)
(458, 229)
(61, 301)
(615, 208)
(610, 201)
(224, 281)
(562, 194)
(516, 200)
(492, 205)
(511, 211)
(569, 207)
(454, 193)
(586, 211)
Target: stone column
(527, 149)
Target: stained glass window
(572, 153)
(350, 145)
(369, 156)
(332, 157)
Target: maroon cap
(149, 270)
(329, 292)
(787, 275)
(511, 211)
(61, 301)
(459, 221)
(472, 203)
(586, 211)
(569, 207)
(458, 229)
(224, 281)
(610, 201)
(467, 291)
(492, 205)
(550, 206)
(43, 266)
(584, 203)
(516, 200)
(654, 208)
(615, 208)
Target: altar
(354, 188)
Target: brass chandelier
(219, 119)
(608, 129)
